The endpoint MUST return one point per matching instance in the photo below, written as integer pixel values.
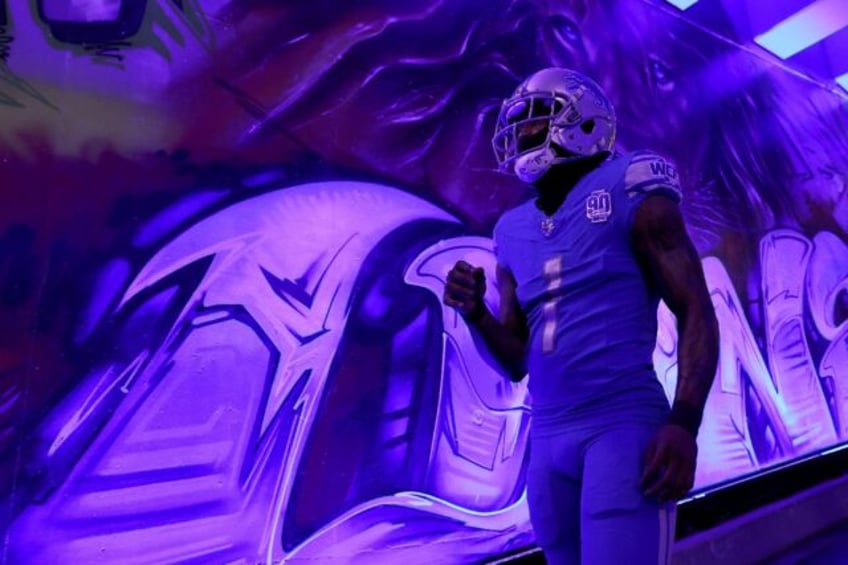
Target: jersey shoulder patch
(650, 173)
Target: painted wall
(224, 229)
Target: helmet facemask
(575, 121)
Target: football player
(581, 270)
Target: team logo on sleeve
(599, 206)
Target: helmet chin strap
(533, 165)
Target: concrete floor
(827, 548)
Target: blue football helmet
(573, 118)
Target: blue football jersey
(591, 314)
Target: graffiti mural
(224, 230)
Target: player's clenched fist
(465, 289)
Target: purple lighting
(842, 80)
(223, 338)
(87, 11)
(92, 21)
(804, 28)
(682, 4)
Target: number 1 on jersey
(553, 276)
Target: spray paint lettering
(770, 404)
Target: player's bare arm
(672, 264)
(670, 259)
(505, 337)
